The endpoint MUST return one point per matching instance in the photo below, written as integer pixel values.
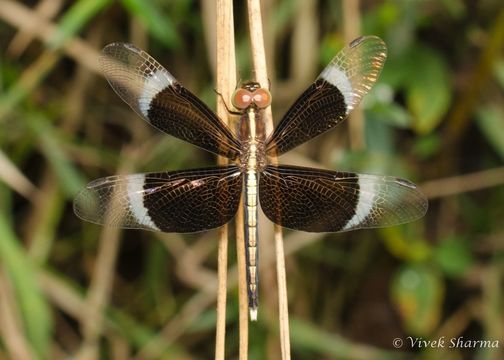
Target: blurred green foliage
(33, 306)
(436, 116)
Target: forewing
(159, 99)
(179, 201)
(336, 92)
(317, 200)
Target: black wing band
(329, 100)
(179, 201)
(328, 201)
(159, 99)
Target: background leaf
(491, 123)
(350, 294)
(453, 256)
(428, 91)
(418, 292)
(155, 19)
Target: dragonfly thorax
(251, 99)
(251, 132)
(253, 156)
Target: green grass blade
(308, 337)
(21, 272)
(51, 144)
(76, 18)
(159, 25)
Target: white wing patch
(154, 84)
(135, 196)
(338, 78)
(355, 69)
(365, 203)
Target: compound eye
(262, 98)
(241, 99)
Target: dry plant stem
(25, 19)
(189, 315)
(36, 229)
(463, 183)
(15, 179)
(45, 9)
(29, 80)
(259, 62)
(48, 202)
(492, 295)
(98, 295)
(258, 53)
(226, 78)
(351, 30)
(305, 46)
(458, 321)
(242, 284)
(93, 320)
(226, 82)
(11, 327)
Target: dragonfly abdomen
(253, 161)
(251, 237)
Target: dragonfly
(299, 198)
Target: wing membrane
(328, 201)
(159, 99)
(178, 201)
(336, 92)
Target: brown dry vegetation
(436, 116)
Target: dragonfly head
(251, 94)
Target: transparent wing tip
(85, 205)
